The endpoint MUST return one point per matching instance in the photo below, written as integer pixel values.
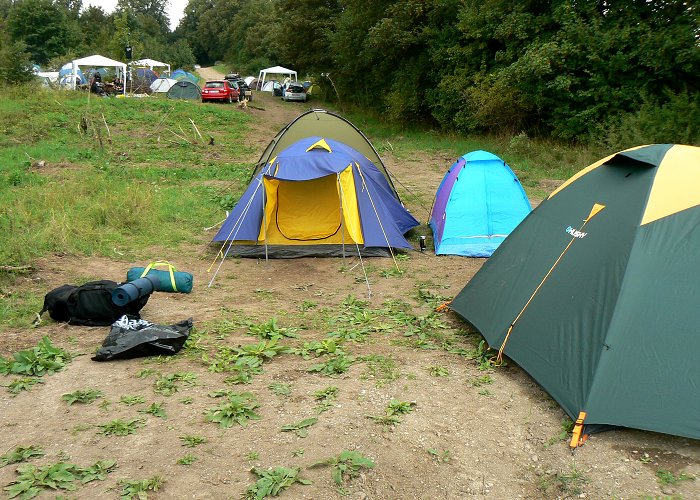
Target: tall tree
(42, 26)
(305, 27)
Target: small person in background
(96, 83)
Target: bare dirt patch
(465, 437)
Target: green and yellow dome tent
(596, 293)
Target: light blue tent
(479, 202)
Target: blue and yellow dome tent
(478, 203)
(317, 197)
(595, 294)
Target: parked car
(243, 88)
(294, 91)
(219, 90)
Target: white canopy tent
(98, 61)
(275, 70)
(150, 64)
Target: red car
(219, 90)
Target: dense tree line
(50, 33)
(576, 70)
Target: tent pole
(264, 203)
(342, 219)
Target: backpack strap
(165, 263)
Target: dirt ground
(462, 439)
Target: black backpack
(89, 304)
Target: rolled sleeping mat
(168, 280)
(128, 292)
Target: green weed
(273, 481)
(438, 371)
(238, 409)
(665, 477)
(308, 305)
(381, 369)
(333, 367)
(392, 412)
(139, 488)
(483, 380)
(252, 456)
(44, 359)
(167, 385)
(119, 427)
(187, 459)
(346, 465)
(155, 409)
(82, 396)
(270, 330)
(22, 384)
(440, 456)
(31, 480)
(300, 428)
(132, 400)
(565, 483)
(567, 427)
(280, 389)
(320, 348)
(192, 440)
(146, 372)
(326, 398)
(20, 454)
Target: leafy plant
(119, 427)
(238, 409)
(155, 409)
(167, 385)
(483, 380)
(20, 454)
(300, 428)
(319, 348)
(280, 389)
(251, 456)
(439, 371)
(380, 368)
(32, 480)
(270, 330)
(346, 465)
(146, 372)
(192, 440)
(567, 483)
(334, 366)
(139, 488)
(22, 384)
(665, 477)
(326, 398)
(567, 426)
(44, 359)
(307, 305)
(440, 456)
(83, 396)
(187, 459)
(392, 412)
(273, 481)
(132, 400)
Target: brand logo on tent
(576, 233)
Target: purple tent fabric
(382, 217)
